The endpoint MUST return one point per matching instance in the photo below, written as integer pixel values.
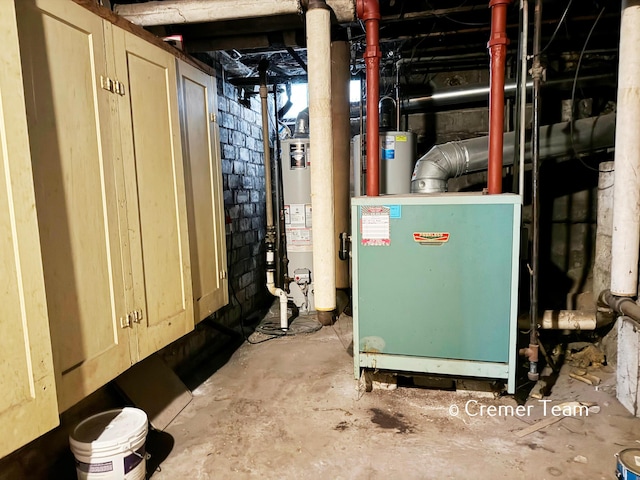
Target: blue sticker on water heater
(395, 211)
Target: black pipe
(282, 265)
(536, 73)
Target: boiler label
(375, 226)
(431, 238)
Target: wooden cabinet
(79, 190)
(28, 401)
(151, 147)
(107, 160)
(201, 147)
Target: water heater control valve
(302, 276)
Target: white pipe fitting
(278, 292)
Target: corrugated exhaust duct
(453, 159)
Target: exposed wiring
(235, 297)
(555, 32)
(573, 94)
(443, 15)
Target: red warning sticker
(431, 238)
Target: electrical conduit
(318, 23)
(369, 12)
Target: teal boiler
(435, 282)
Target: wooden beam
(117, 20)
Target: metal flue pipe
(169, 12)
(270, 237)
(498, 51)
(369, 12)
(625, 241)
(453, 159)
(318, 19)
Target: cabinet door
(77, 193)
(28, 405)
(150, 135)
(203, 183)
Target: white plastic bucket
(111, 445)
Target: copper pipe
(498, 50)
(369, 11)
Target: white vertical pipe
(340, 106)
(524, 5)
(626, 195)
(604, 228)
(321, 139)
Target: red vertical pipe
(498, 51)
(369, 11)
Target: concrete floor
(290, 409)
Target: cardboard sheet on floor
(156, 389)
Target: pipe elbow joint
(368, 9)
(314, 4)
(493, 3)
(531, 352)
(436, 167)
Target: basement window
(300, 100)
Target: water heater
(397, 158)
(296, 180)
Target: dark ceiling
(430, 36)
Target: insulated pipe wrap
(169, 12)
(625, 242)
(321, 151)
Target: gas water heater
(296, 180)
(435, 282)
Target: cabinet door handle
(106, 83)
(137, 316)
(125, 321)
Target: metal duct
(170, 12)
(452, 159)
(302, 124)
